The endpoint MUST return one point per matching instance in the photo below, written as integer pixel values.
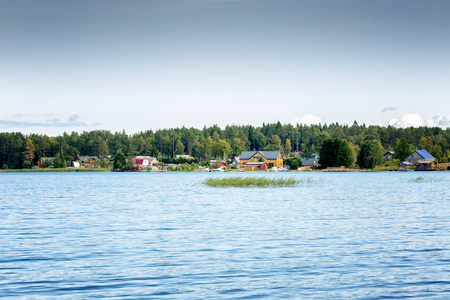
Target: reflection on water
(166, 235)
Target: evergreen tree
(60, 161)
(119, 160)
(29, 150)
(402, 149)
(370, 155)
(103, 149)
(179, 147)
(437, 153)
(328, 152)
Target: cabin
(220, 163)
(49, 160)
(311, 163)
(426, 165)
(271, 158)
(419, 155)
(145, 161)
(388, 155)
(87, 161)
(254, 166)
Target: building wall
(275, 162)
(413, 158)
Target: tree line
(18, 150)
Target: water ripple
(167, 236)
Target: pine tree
(29, 150)
(60, 161)
(120, 160)
(402, 149)
(370, 155)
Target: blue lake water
(167, 236)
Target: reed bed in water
(251, 182)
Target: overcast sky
(148, 64)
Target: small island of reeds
(252, 182)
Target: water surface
(166, 235)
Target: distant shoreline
(66, 170)
(109, 170)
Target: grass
(427, 179)
(253, 182)
(52, 170)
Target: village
(248, 161)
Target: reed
(252, 182)
(427, 179)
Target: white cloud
(408, 120)
(307, 120)
(438, 121)
(415, 120)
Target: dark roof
(424, 154)
(87, 158)
(267, 154)
(270, 154)
(309, 162)
(247, 154)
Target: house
(271, 158)
(426, 165)
(254, 166)
(419, 155)
(388, 155)
(48, 160)
(311, 163)
(235, 162)
(221, 164)
(145, 161)
(87, 161)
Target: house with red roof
(143, 162)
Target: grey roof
(270, 154)
(267, 154)
(309, 162)
(247, 154)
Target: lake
(168, 236)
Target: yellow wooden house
(271, 158)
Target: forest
(18, 150)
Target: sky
(135, 65)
